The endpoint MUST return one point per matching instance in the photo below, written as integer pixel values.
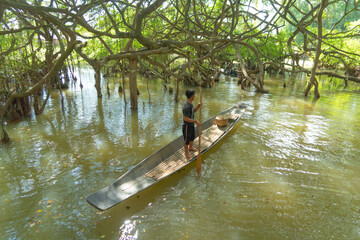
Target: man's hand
(198, 106)
(198, 123)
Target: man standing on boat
(189, 120)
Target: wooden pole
(198, 165)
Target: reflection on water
(289, 170)
(128, 230)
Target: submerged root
(5, 137)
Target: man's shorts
(189, 133)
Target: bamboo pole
(198, 165)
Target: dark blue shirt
(188, 111)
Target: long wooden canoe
(164, 162)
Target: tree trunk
(313, 81)
(133, 85)
(4, 136)
(308, 88)
(123, 79)
(258, 87)
(316, 89)
(147, 87)
(97, 69)
(36, 103)
(176, 98)
(2, 10)
(214, 71)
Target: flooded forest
(89, 89)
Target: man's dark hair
(189, 93)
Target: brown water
(290, 170)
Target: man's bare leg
(191, 147)
(187, 154)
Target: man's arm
(189, 120)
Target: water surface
(290, 170)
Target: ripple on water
(27, 187)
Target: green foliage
(273, 46)
(347, 44)
(189, 28)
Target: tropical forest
(179, 119)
